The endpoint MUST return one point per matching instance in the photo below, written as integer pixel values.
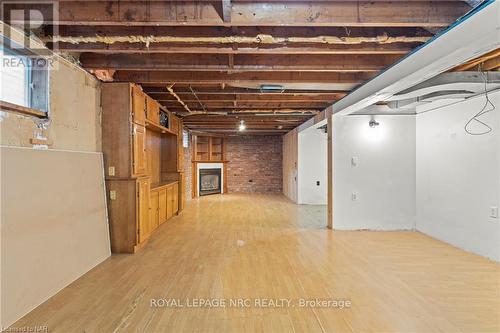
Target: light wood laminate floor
(264, 246)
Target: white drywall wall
(458, 177)
(384, 178)
(312, 167)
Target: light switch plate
(111, 171)
(112, 195)
(494, 212)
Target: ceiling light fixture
(242, 126)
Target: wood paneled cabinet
(123, 130)
(128, 211)
(163, 203)
(138, 150)
(142, 162)
(153, 111)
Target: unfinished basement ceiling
(207, 60)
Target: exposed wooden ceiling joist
(246, 97)
(265, 13)
(206, 60)
(487, 62)
(239, 63)
(160, 77)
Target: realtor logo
(26, 16)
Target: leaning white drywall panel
(474, 35)
(374, 172)
(458, 177)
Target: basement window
(185, 139)
(23, 86)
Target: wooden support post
(330, 171)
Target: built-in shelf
(162, 184)
(158, 128)
(208, 148)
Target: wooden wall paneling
(224, 177)
(153, 154)
(173, 123)
(142, 225)
(180, 148)
(169, 154)
(330, 172)
(138, 105)
(116, 129)
(139, 160)
(162, 205)
(154, 210)
(194, 179)
(170, 201)
(152, 110)
(175, 198)
(182, 191)
(290, 164)
(122, 215)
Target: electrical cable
(483, 111)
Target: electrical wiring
(488, 107)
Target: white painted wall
(312, 167)
(458, 177)
(383, 180)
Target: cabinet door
(162, 202)
(154, 210)
(176, 199)
(174, 123)
(153, 111)
(143, 229)
(170, 203)
(138, 106)
(139, 150)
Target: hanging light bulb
(242, 126)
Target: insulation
(259, 39)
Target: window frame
(21, 109)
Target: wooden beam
(164, 77)
(167, 48)
(250, 105)
(243, 93)
(262, 13)
(238, 63)
(477, 61)
(247, 98)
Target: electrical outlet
(112, 195)
(111, 171)
(317, 183)
(354, 161)
(494, 212)
(354, 196)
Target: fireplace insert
(210, 181)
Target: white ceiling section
(473, 35)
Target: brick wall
(255, 164)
